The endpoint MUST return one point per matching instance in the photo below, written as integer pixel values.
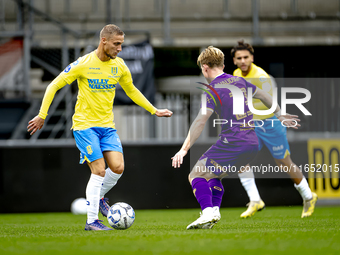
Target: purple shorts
(226, 159)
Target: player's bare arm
(35, 124)
(163, 113)
(289, 119)
(194, 132)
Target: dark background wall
(11, 112)
(49, 179)
(293, 61)
(284, 61)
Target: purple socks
(202, 192)
(217, 191)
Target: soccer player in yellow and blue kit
(272, 134)
(98, 73)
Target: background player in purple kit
(237, 145)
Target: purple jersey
(234, 127)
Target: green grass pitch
(276, 230)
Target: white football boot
(217, 217)
(208, 218)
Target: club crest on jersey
(114, 70)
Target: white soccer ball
(79, 206)
(121, 216)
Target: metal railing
(26, 9)
(58, 122)
(122, 10)
(165, 15)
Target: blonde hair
(212, 57)
(110, 30)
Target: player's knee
(194, 175)
(101, 172)
(118, 169)
(98, 170)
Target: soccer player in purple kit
(237, 144)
